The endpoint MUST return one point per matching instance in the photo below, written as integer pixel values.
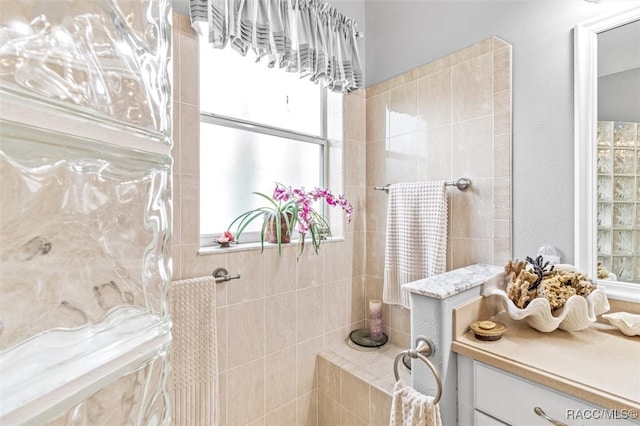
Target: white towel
(411, 408)
(194, 352)
(416, 243)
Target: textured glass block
(622, 241)
(110, 60)
(624, 161)
(604, 241)
(624, 188)
(622, 266)
(604, 215)
(140, 397)
(624, 134)
(605, 133)
(623, 215)
(638, 215)
(636, 269)
(605, 161)
(636, 241)
(84, 229)
(604, 188)
(605, 261)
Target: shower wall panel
(85, 211)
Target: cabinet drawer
(481, 419)
(512, 400)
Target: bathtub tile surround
(446, 119)
(284, 310)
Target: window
(258, 126)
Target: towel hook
(424, 348)
(221, 274)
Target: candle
(375, 319)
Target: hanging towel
(411, 408)
(416, 243)
(194, 353)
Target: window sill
(207, 250)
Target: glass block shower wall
(85, 211)
(618, 197)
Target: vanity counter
(598, 364)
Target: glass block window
(618, 198)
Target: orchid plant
(292, 209)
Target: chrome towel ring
(424, 349)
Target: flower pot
(271, 233)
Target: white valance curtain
(305, 36)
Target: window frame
(322, 140)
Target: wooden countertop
(600, 364)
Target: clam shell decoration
(627, 323)
(577, 313)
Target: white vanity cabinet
(488, 396)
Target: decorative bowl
(627, 323)
(577, 313)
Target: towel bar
(424, 349)
(460, 183)
(221, 274)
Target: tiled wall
(283, 311)
(447, 119)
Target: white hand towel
(416, 240)
(194, 352)
(411, 408)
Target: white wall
(402, 35)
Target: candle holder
(373, 336)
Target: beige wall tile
(175, 130)
(377, 117)
(403, 109)
(502, 115)
(245, 393)
(354, 163)
(189, 139)
(502, 69)
(402, 159)
(189, 69)
(250, 265)
(285, 415)
(350, 418)
(221, 337)
(378, 88)
(472, 83)
(400, 319)
(375, 251)
(329, 411)
(469, 251)
(434, 154)
(472, 210)
(379, 407)
(434, 100)
(354, 118)
(245, 328)
(356, 300)
(334, 304)
(502, 155)
(329, 379)
(306, 373)
(280, 322)
(307, 409)
(309, 313)
(472, 148)
(502, 198)
(355, 395)
(176, 234)
(434, 67)
(376, 172)
(309, 269)
(280, 271)
(189, 210)
(280, 379)
(376, 209)
(473, 51)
